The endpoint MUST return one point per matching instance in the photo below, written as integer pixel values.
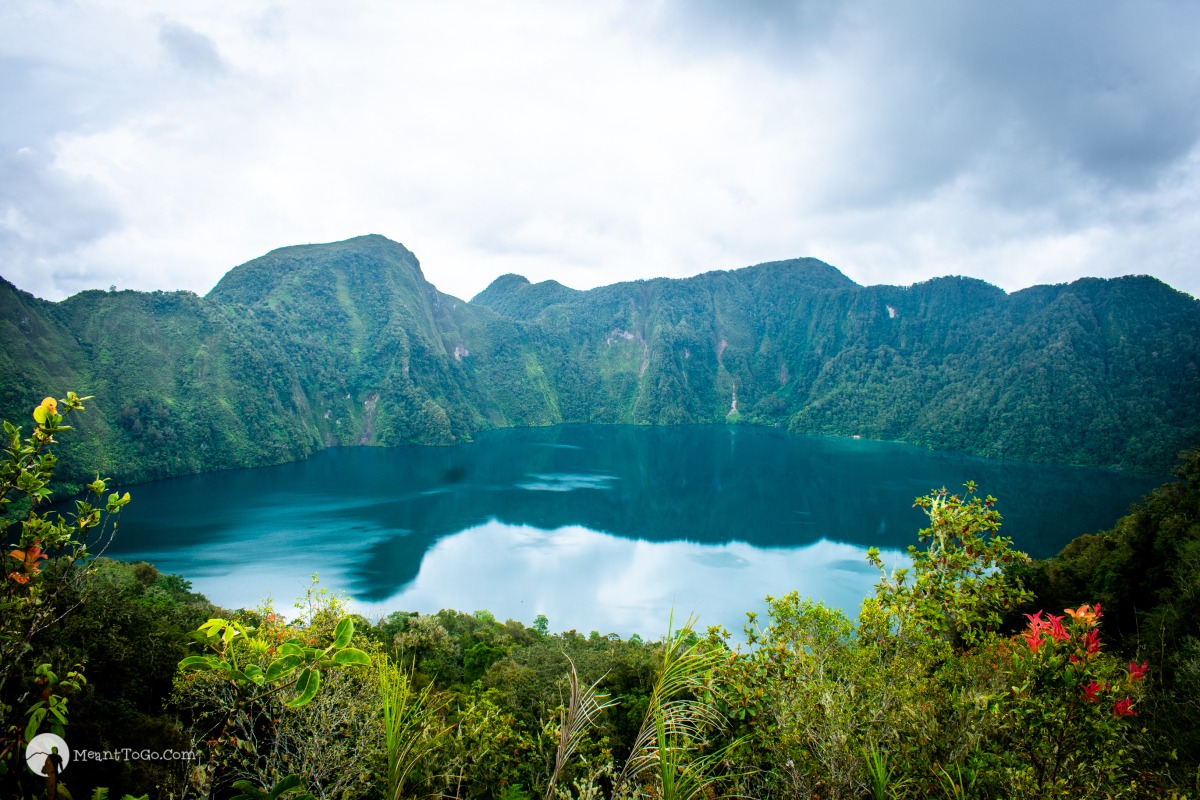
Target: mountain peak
(258, 279)
(505, 283)
(811, 272)
(515, 295)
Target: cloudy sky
(155, 145)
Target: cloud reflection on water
(586, 580)
(594, 581)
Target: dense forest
(976, 672)
(347, 343)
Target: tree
(46, 561)
(957, 590)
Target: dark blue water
(603, 528)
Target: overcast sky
(156, 145)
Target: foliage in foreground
(38, 590)
(931, 692)
(925, 695)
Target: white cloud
(599, 142)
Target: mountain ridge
(346, 343)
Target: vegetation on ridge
(346, 343)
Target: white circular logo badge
(45, 747)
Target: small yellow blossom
(41, 414)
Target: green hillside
(347, 343)
(1095, 372)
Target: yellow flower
(41, 414)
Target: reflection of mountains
(701, 484)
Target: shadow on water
(702, 498)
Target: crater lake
(604, 528)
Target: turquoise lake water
(605, 528)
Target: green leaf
(249, 791)
(308, 685)
(195, 662)
(286, 784)
(283, 666)
(116, 501)
(343, 633)
(291, 649)
(254, 673)
(35, 722)
(352, 656)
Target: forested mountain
(1098, 371)
(347, 343)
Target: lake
(605, 528)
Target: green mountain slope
(347, 343)
(1095, 372)
(306, 347)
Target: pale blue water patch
(291, 534)
(584, 580)
(566, 482)
(580, 579)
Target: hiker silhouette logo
(46, 747)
